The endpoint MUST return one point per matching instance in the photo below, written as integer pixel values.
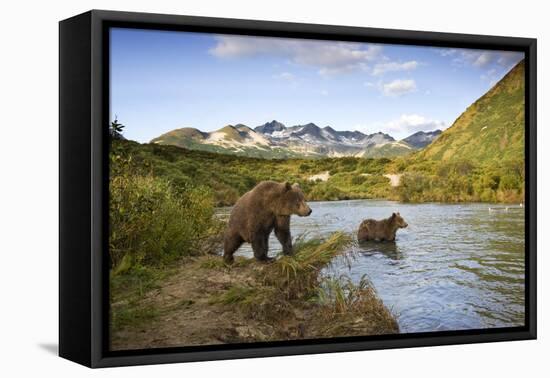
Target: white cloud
(287, 76)
(492, 77)
(381, 68)
(490, 73)
(447, 52)
(482, 58)
(347, 68)
(398, 87)
(329, 57)
(411, 123)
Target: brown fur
(379, 230)
(265, 208)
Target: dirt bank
(205, 302)
(394, 179)
(323, 176)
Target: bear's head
(398, 220)
(293, 201)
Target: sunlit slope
(490, 129)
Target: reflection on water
(390, 249)
(457, 266)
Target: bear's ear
(288, 186)
(393, 215)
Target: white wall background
(28, 198)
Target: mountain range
(275, 140)
(491, 129)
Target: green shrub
(413, 186)
(358, 180)
(151, 223)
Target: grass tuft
(213, 262)
(297, 275)
(345, 306)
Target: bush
(413, 187)
(151, 223)
(358, 180)
(323, 191)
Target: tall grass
(344, 304)
(340, 294)
(335, 305)
(298, 275)
(152, 223)
(289, 278)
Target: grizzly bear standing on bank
(265, 208)
(371, 229)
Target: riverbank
(203, 301)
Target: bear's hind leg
(230, 244)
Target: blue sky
(164, 80)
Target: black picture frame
(83, 194)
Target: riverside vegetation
(204, 301)
(169, 287)
(228, 177)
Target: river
(457, 266)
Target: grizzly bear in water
(378, 230)
(267, 207)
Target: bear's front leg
(260, 248)
(282, 232)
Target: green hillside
(230, 176)
(231, 133)
(184, 137)
(491, 129)
(389, 150)
(480, 157)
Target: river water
(457, 266)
